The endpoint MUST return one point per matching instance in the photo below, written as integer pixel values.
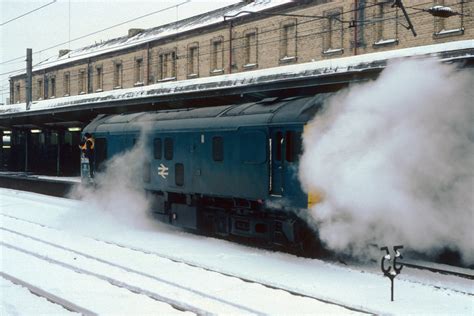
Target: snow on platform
(27, 175)
(357, 287)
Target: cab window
(157, 148)
(293, 146)
(217, 148)
(168, 148)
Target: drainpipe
(147, 82)
(90, 88)
(29, 77)
(230, 46)
(356, 15)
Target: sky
(62, 21)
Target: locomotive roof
(264, 112)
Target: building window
(451, 26)
(333, 31)
(52, 85)
(118, 74)
(217, 55)
(250, 54)
(167, 66)
(288, 41)
(17, 93)
(99, 79)
(138, 71)
(67, 84)
(40, 90)
(193, 60)
(359, 14)
(82, 81)
(386, 26)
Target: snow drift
(394, 159)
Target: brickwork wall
(313, 38)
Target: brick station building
(242, 37)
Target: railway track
(148, 284)
(267, 283)
(438, 268)
(66, 304)
(178, 260)
(414, 264)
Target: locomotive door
(197, 150)
(286, 148)
(276, 143)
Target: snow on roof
(251, 78)
(124, 42)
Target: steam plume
(394, 159)
(118, 197)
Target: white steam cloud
(394, 160)
(118, 198)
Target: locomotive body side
(229, 170)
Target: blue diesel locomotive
(225, 170)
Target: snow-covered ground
(106, 265)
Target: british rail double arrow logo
(163, 171)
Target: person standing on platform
(87, 148)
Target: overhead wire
(101, 30)
(29, 12)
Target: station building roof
(283, 81)
(208, 19)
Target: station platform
(50, 185)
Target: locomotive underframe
(230, 217)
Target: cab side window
(217, 148)
(293, 146)
(168, 148)
(157, 148)
(278, 143)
